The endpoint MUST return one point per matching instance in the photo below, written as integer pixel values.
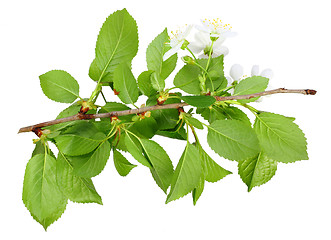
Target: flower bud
(188, 60)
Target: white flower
(267, 73)
(177, 40)
(203, 44)
(215, 28)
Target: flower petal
(255, 70)
(268, 73)
(236, 71)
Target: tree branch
(81, 116)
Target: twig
(81, 116)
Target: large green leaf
(280, 138)
(154, 58)
(257, 170)
(122, 165)
(125, 84)
(187, 79)
(233, 139)
(162, 168)
(187, 174)
(59, 86)
(93, 163)
(134, 148)
(77, 189)
(41, 194)
(117, 43)
(79, 139)
(251, 85)
(211, 170)
(145, 128)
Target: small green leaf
(187, 174)
(92, 164)
(59, 86)
(257, 170)
(154, 57)
(77, 189)
(145, 84)
(199, 101)
(117, 43)
(233, 139)
(125, 84)
(41, 194)
(251, 85)
(280, 138)
(122, 165)
(193, 122)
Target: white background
(291, 37)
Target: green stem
(249, 107)
(191, 53)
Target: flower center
(216, 26)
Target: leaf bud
(188, 60)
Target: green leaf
(221, 113)
(193, 122)
(196, 193)
(125, 84)
(215, 73)
(233, 139)
(135, 149)
(251, 85)
(79, 139)
(211, 170)
(59, 86)
(115, 106)
(280, 138)
(144, 128)
(187, 79)
(257, 170)
(199, 101)
(92, 164)
(41, 194)
(77, 189)
(122, 165)
(69, 111)
(162, 168)
(187, 174)
(173, 133)
(154, 58)
(117, 43)
(166, 118)
(145, 84)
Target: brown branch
(81, 116)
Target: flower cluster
(208, 40)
